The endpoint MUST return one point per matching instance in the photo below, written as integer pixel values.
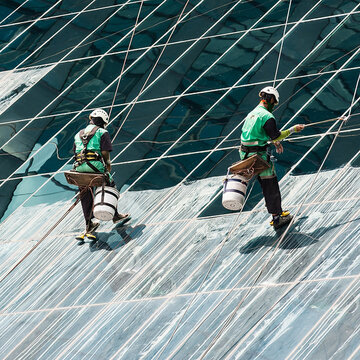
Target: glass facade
(186, 279)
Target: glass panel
(184, 277)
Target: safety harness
(85, 156)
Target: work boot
(80, 237)
(124, 218)
(281, 220)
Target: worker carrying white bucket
(92, 147)
(258, 129)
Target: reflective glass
(185, 278)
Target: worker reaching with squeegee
(258, 130)
(92, 147)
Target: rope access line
(229, 319)
(126, 55)
(29, 27)
(15, 121)
(13, 12)
(229, 232)
(171, 43)
(71, 120)
(78, 195)
(217, 254)
(282, 43)
(279, 241)
(82, 74)
(152, 70)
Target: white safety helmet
(272, 91)
(101, 114)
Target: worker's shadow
(111, 241)
(294, 238)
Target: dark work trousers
(87, 203)
(271, 192)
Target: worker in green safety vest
(92, 147)
(258, 130)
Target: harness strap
(251, 149)
(85, 156)
(86, 137)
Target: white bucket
(234, 191)
(105, 202)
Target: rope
(104, 90)
(277, 242)
(328, 36)
(152, 70)
(78, 78)
(41, 240)
(52, 17)
(29, 27)
(195, 295)
(171, 43)
(126, 55)
(344, 118)
(282, 43)
(212, 106)
(258, 83)
(13, 12)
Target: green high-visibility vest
(93, 145)
(253, 132)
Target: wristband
(292, 130)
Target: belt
(251, 149)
